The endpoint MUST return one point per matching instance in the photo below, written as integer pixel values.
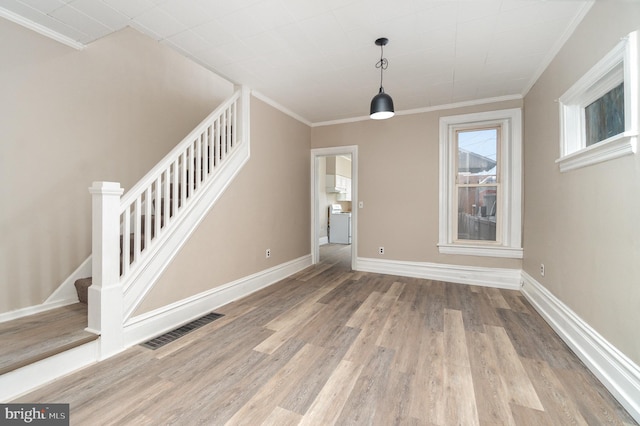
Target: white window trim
(510, 170)
(596, 82)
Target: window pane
(605, 117)
(477, 213)
(477, 156)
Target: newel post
(244, 115)
(105, 293)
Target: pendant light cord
(382, 64)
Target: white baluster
(147, 218)
(217, 137)
(137, 231)
(126, 242)
(166, 200)
(183, 179)
(157, 207)
(197, 166)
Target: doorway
(317, 219)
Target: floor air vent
(174, 335)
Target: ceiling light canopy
(381, 104)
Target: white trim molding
(40, 29)
(471, 275)
(493, 251)
(151, 324)
(615, 370)
(267, 100)
(614, 147)
(423, 110)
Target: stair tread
(30, 339)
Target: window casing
(481, 184)
(599, 113)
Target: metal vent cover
(174, 335)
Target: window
(599, 112)
(477, 184)
(480, 184)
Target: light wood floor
(330, 346)
(29, 339)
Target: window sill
(614, 147)
(487, 251)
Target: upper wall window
(599, 113)
(481, 184)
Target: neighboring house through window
(480, 184)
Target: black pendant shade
(381, 104)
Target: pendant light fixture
(381, 104)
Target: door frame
(315, 220)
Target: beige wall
(67, 118)
(267, 206)
(398, 183)
(584, 224)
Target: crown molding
(40, 29)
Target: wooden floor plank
(427, 396)
(296, 321)
(460, 399)
(369, 390)
(330, 401)
(493, 407)
(279, 417)
(268, 397)
(594, 406)
(360, 316)
(518, 384)
(553, 394)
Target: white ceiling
(317, 58)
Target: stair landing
(33, 338)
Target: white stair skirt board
(472, 275)
(146, 326)
(23, 380)
(617, 372)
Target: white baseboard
(615, 370)
(64, 295)
(473, 275)
(26, 379)
(149, 325)
(323, 240)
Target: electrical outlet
(380, 250)
(542, 269)
(268, 253)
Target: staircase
(134, 239)
(82, 284)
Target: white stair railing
(148, 214)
